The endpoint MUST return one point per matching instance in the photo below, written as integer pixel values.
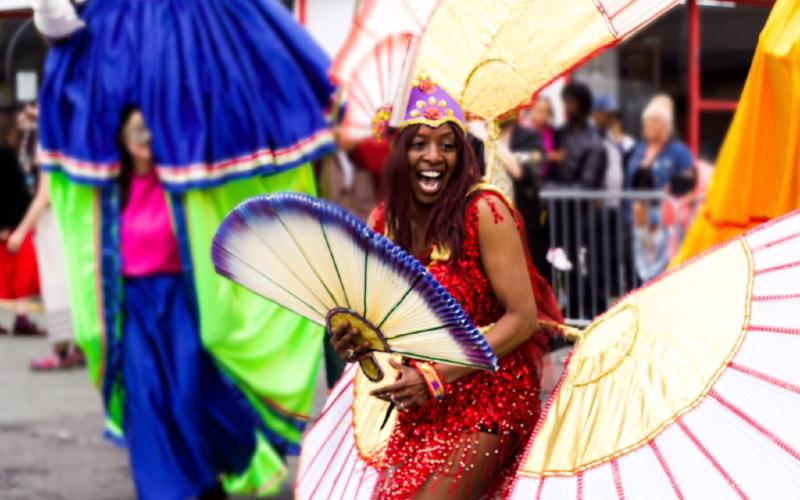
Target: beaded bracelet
(432, 377)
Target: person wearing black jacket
(579, 163)
(579, 157)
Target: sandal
(49, 363)
(58, 362)
(74, 359)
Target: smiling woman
(458, 431)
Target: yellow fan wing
(492, 56)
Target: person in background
(185, 422)
(579, 156)
(618, 145)
(650, 242)
(579, 163)
(660, 155)
(660, 162)
(50, 260)
(19, 278)
(616, 133)
(352, 177)
(539, 118)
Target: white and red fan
(375, 21)
(343, 450)
(373, 85)
(370, 64)
(689, 388)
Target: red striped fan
(369, 65)
(689, 388)
(373, 85)
(375, 21)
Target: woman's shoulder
(678, 150)
(678, 147)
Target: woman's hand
(409, 390)
(15, 241)
(344, 340)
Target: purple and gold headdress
(429, 104)
(424, 102)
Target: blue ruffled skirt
(229, 89)
(185, 422)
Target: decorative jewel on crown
(380, 122)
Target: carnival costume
(687, 388)
(234, 93)
(416, 444)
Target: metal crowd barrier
(594, 230)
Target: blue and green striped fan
(317, 260)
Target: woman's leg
(474, 464)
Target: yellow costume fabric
(757, 174)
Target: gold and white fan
(688, 388)
(314, 258)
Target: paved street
(51, 446)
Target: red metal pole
(693, 77)
(301, 11)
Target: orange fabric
(757, 175)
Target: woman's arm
(35, 211)
(503, 259)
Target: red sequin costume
(505, 403)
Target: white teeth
(431, 174)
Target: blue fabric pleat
(216, 80)
(184, 420)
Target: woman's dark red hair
(446, 222)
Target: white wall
(328, 21)
(6, 5)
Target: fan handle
(371, 368)
(367, 332)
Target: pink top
(147, 242)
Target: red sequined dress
(505, 403)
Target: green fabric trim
(75, 207)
